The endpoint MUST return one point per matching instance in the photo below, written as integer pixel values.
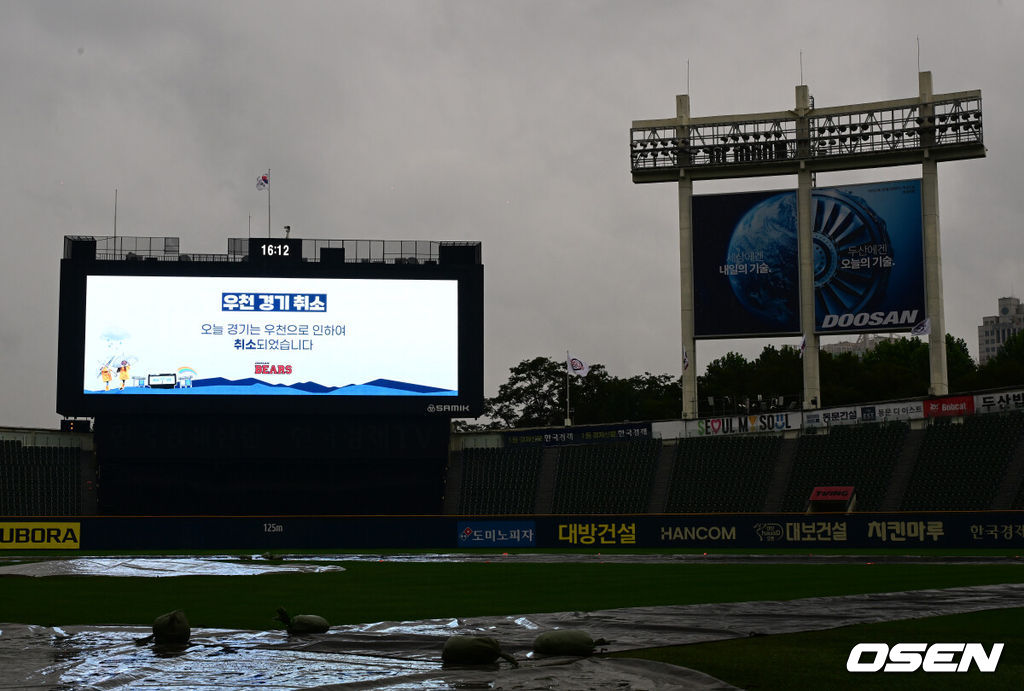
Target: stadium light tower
(923, 130)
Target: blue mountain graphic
(403, 386)
(313, 387)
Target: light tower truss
(868, 135)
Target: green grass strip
(817, 659)
(387, 591)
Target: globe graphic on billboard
(766, 237)
(849, 242)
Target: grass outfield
(390, 590)
(370, 591)
(817, 659)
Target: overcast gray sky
(504, 122)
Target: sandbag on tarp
(566, 642)
(302, 623)
(473, 650)
(169, 629)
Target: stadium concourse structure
(929, 472)
(299, 394)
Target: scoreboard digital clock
(275, 250)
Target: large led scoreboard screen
(159, 337)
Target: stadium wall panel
(892, 531)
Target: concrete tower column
(689, 347)
(938, 376)
(805, 252)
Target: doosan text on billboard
(867, 259)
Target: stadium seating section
(722, 474)
(501, 481)
(39, 480)
(964, 464)
(862, 456)
(613, 477)
(960, 466)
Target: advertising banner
(830, 493)
(944, 530)
(884, 412)
(40, 535)
(1000, 402)
(831, 416)
(742, 424)
(952, 406)
(578, 435)
(868, 261)
(745, 265)
(868, 257)
(270, 336)
(497, 534)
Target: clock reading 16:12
(277, 249)
(267, 249)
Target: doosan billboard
(868, 261)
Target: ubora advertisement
(202, 335)
(40, 535)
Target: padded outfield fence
(609, 533)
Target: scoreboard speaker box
(332, 256)
(467, 254)
(80, 249)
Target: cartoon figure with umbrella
(122, 372)
(106, 374)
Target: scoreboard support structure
(192, 420)
(921, 130)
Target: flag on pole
(576, 366)
(922, 328)
(686, 360)
(803, 346)
(263, 181)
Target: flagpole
(567, 388)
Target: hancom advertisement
(868, 261)
(188, 336)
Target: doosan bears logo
(267, 368)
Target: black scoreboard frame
(73, 402)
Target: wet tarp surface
(159, 567)
(407, 655)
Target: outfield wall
(900, 531)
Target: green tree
(895, 369)
(777, 373)
(960, 366)
(726, 384)
(1007, 367)
(842, 379)
(533, 396)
